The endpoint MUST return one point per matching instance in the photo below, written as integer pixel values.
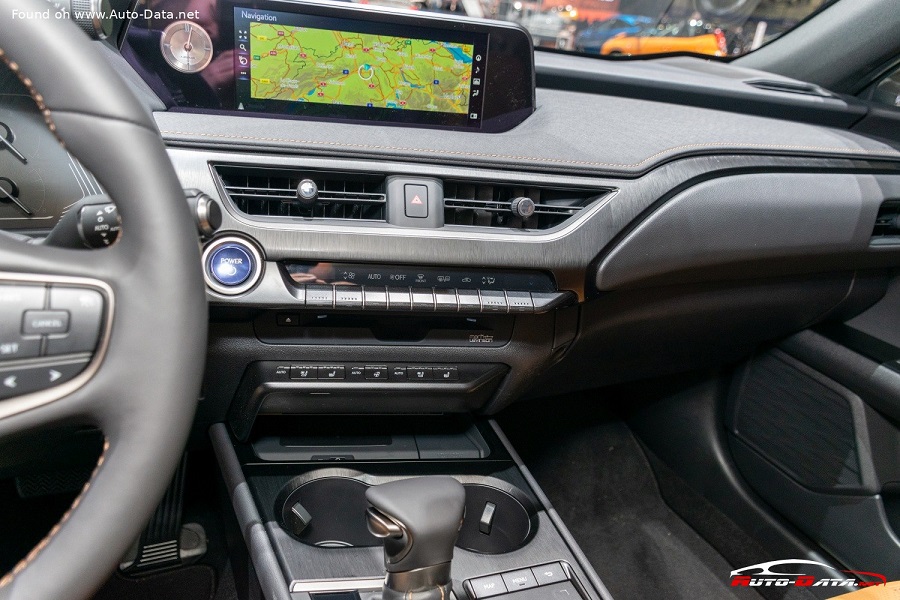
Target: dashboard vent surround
(887, 223)
(271, 192)
(481, 204)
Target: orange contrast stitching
(23, 564)
(737, 146)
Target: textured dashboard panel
(570, 132)
(798, 423)
(746, 224)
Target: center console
(326, 506)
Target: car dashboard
(569, 226)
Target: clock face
(186, 47)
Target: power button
(231, 265)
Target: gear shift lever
(419, 520)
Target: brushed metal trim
(337, 585)
(20, 404)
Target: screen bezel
(508, 90)
(471, 118)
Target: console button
(333, 373)
(85, 308)
(469, 301)
(320, 295)
(418, 373)
(445, 301)
(485, 587)
(287, 320)
(416, 200)
(24, 380)
(375, 298)
(493, 301)
(303, 372)
(376, 373)
(356, 374)
(398, 374)
(422, 299)
(230, 265)
(445, 373)
(347, 297)
(282, 373)
(544, 301)
(519, 580)
(14, 301)
(520, 302)
(399, 298)
(37, 322)
(546, 574)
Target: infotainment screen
(343, 61)
(303, 64)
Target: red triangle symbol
(416, 200)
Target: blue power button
(231, 265)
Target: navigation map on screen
(324, 66)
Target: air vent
(887, 224)
(263, 192)
(790, 87)
(486, 205)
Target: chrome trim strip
(337, 585)
(20, 404)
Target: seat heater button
(519, 580)
(419, 373)
(331, 373)
(303, 372)
(547, 574)
(231, 265)
(485, 587)
(85, 308)
(445, 373)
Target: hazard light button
(416, 197)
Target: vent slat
(488, 205)
(261, 191)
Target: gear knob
(419, 520)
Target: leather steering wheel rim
(143, 393)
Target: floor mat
(196, 582)
(598, 479)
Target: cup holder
(332, 509)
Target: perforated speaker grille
(798, 423)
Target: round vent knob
(307, 192)
(522, 207)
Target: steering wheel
(141, 384)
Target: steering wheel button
(85, 310)
(231, 265)
(38, 322)
(14, 301)
(25, 380)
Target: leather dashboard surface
(570, 132)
